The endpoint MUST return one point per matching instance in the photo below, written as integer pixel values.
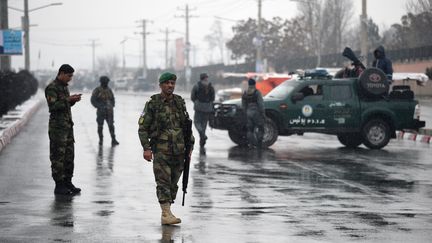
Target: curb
(423, 136)
(15, 127)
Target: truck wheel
(350, 140)
(238, 137)
(270, 132)
(376, 133)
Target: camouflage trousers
(61, 153)
(167, 170)
(108, 116)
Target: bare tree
(108, 64)
(418, 6)
(311, 11)
(216, 40)
(327, 22)
(337, 18)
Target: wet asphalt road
(303, 189)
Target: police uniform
(203, 96)
(253, 105)
(103, 100)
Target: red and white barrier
(424, 138)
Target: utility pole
(187, 16)
(364, 34)
(5, 61)
(144, 37)
(166, 40)
(26, 27)
(259, 62)
(123, 42)
(93, 46)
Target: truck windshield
(282, 90)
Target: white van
(120, 84)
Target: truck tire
(376, 133)
(373, 82)
(350, 140)
(238, 137)
(270, 132)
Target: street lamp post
(26, 29)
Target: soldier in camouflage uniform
(253, 105)
(161, 133)
(103, 100)
(60, 130)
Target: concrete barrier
(17, 121)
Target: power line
(187, 16)
(93, 46)
(144, 34)
(166, 40)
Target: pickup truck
(357, 110)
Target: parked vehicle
(121, 84)
(357, 110)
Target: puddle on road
(65, 221)
(311, 233)
(103, 202)
(104, 213)
(373, 219)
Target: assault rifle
(187, 133)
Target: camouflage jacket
(57, 94)
(161, 125)
(103, 98)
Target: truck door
(308, 114)
(342, 107)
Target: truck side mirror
(297, 96)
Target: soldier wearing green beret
(60, 130)
(161, 134)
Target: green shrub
(15, 88)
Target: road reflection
(62, 212)
(249, 155)
(354, 170)
(168, 233)
(105, 161)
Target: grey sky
(63, 33)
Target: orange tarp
(269, 83)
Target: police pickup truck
(358, 111)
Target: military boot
(70, 186)
(203, 139)
(114, 142)
(167, 216)
(61, 189)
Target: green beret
(167, 76)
